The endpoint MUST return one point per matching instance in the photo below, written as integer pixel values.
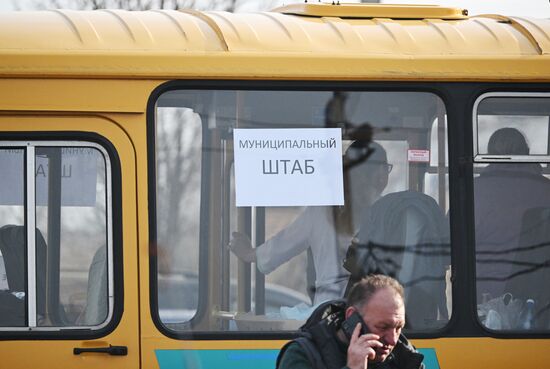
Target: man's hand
(362, 348)
(240, 245)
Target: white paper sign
(288, 167)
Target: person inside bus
(505, 196)
(406, 237)
(326, 231)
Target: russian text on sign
(288, 167)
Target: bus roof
(315, 41)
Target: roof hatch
(364, 10)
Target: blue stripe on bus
(240, 359)
(430, 358)
(216, 359)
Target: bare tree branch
(227, 5)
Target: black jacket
(318, 342)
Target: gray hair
(362, 291)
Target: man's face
(385, 316)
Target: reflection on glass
(512, 219)
(178, 172)
(395, 220)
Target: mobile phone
(348, 325)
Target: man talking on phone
(364, 332)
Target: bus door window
(76, 271)
(512, 210)
(54, 238)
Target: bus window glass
(12, 238)
(178, 172)
(266, 264)
(512, 212)
(71, 205)
(64, 282)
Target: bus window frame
(113, 201)
(485, 158)
(209, 85)
(518, 90)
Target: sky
(533, 8)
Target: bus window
(58, 273)
(512, 210)
(263, 266)
(12, 263)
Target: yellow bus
(137, 147)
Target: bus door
(65, 299)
